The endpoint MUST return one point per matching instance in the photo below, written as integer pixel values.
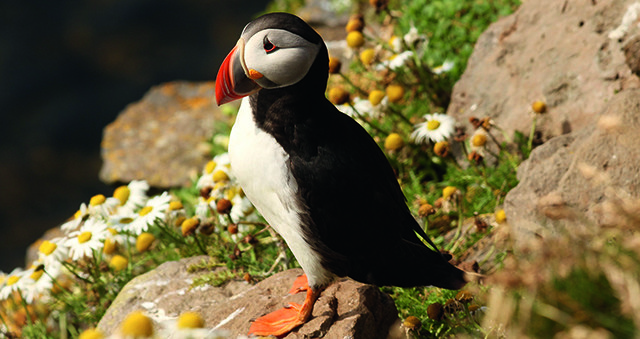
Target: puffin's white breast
(260, 165)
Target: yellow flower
(190, 320)
(175, 205)
(96, 200)
(376, 96)
(338, 96)
(92, 333)
(137, 325)
(448, 191)
(109, 246)
(122, 193)
(441, 148)
(220, 175)
(393, 142)
(334, 65)
(395, 93)
(355, 39)
(47, 247)
(355, 23)
(501, 216)
(539, 107)
(479, 139)
(367, 56)
(143, 241)
(118, 262)
(189, 226)
(210, 166)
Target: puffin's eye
(268, 46)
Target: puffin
(316, 175)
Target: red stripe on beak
(231, 82)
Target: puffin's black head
(276, 50)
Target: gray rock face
(162, 137)
(580, 175)
(346, 309)
(573, 55)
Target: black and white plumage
(314, 173)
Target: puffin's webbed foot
(283, 321)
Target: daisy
(215, 171)
(445, 67)
(204, 207)
(395, 61)
(360, 107)
(88, 238)
(101, 206)
(51, 254)
(77, 218)
(437, 127)
(12, 282)
(132, 196)
(154, 209)
(413, 38)
(36, 284)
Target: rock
(162, 138)
(581, 175)
(564, 53)
(346, 309)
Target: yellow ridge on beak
(254, 75)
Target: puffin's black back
(355, 214)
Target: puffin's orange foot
(278, 323)
(300, 284)
(282, 321)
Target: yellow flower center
(479, 140)
(355, 39)
(220, 175)
(501, 216)
(145, 210)
(448, 191)
(211, 165)
(47, 247)
(118, 262)
(433, 125)
(190, 320)
(395, 93)
(137, 325)
(84, 237)
(91, 333)
(368, 56)
(109, 246)
(144, 240)
(126, 220)
(175, 205)
(441, 148)
(97, 200)
(393, 142)
(122, 193)
(189, 226)
(36, 275)
(375, 97)
(78, 214)
(12, 280)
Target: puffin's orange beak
(232, 83)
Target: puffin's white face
(276, 50)
(276, 58)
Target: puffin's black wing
(357, 217)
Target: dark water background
(67, 68)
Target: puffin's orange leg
(282, 321)
(301, 284)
